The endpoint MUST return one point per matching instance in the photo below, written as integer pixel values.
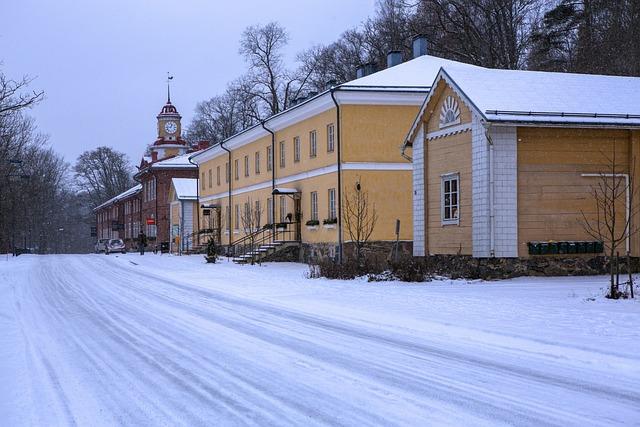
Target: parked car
(115, 245)
(101, 245)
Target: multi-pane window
(246, 165)
(332, 203)
(331, 137)
(247, 217)
(218, 175)
(314, 205)
(257, 213)
(450, 201)
(227, 172)
(257, 165)
(296, 149)
(283, 208)
(210, 178)
(228, 217)
(236, 169)
(237, 222)
(269, 210)
(283, 152)
(313, 144)
(269, 158)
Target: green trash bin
(571, 247)
(553, 248)
(590, 247)
(580, 247)
(544, 249)
(563, 247)
(599, 247)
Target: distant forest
(579, 36)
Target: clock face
(170, 127)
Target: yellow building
(297, 168)
(506, 162)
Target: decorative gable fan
(450, 113)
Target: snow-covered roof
(282, 190)
(130, 192)
(419, 72)
(536, 96)
(186, 188)
(181, 161)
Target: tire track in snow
(539, 414)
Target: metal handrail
(273, 233)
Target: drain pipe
(339, 160)
(228, 173)
(197, 196)
(273, 177)
(492, 185)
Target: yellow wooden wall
(552, 192)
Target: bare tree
(14, 97)
(251, 222)
(103, 173)
(360, 219)
(613, 223)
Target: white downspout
(492, 188)
(627, 207)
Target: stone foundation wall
(501, 268)
(375, 251)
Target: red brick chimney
(154, 156)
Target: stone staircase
(263, 251)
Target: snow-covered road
(130, 340)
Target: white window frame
(283, 208)
(269, 210)
(218, 175)
(314, 205)
(296, 149)
(313, 144)
(257, 161)
(246, 165)
(331, 204)
(450, 177)
(269, 158)
(283, 154)
(331, 135)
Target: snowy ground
(160, 340)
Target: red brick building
(145, 207)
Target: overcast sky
(103, 63)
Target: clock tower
(169, 142)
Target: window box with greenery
(312, 224)
(330, 222)
(281, 225)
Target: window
(314, 205)
(269, 158)
(210, 178)
(450, 200)
(227, 172)
(283, 208)
(332, 203)
(313, 145)
(330, 138)
(257, 166)
(296, 149)
(282, 154)
(269, 211)
(246, 165)
(257, 214)
(228, 217)
(247, 217)
(237, 223)
(236, 168)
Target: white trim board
(449, 131)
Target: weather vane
(169, 78)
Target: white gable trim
(449, 131)
(442, 75)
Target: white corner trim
(381, 98)
(449, 131)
